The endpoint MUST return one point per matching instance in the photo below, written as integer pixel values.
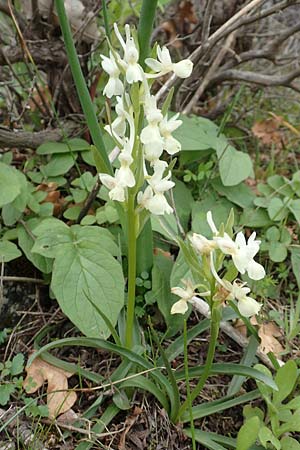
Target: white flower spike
(134, 72)
(164, 65)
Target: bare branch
(257, 78)
(27, 139)
(207, 20)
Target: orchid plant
(141, 132)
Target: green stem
(81, 87)
(214, 332)
(187, 382)
(131, 233)
(145, 28)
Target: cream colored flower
(186, 296)
(163, 65)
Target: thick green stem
(81, 87)
(145, 28)
(214, 332)
(131, 241)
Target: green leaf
(249, 411)
(241, 195)
(196, 133)
(72, 212)
(281, 185)
(8, 251)
(220, 209)
(183, 202)
(295, 252)
(85, 269)
(9, 184)
(59, 164)
(277, 251)
(285, 379)
(294, 207)
(76, 144)
(273, 234)
(266, 391)
(17, 365)
(211, 440)
(140, 382)
(26, 243)
(5, 392)
(248, 433)
(265, 435)
(121, 400)
(277, 209)
(289, 443)
(255, 218)
(294, 404)
(10, 214)
(161, 293)
(234, 166)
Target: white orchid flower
(201, 244)
(150, 135)
(242, 254)
(164, 65)
(116, 189)
(119, 124)
(133, 70)
(171, 145)
(186, 296)
(114, 86)
(247, 306)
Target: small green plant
(10, 382)
(272, 428)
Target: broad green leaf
(273, 234)
(162, 225)
(255, 218)
(294, 207)
(248, 433)
(249, 411)
(292, 425)
(51, 234)
(9, 184)
(71, 145)
(180, 271)
(277, 251)
(95, 236)
(289, 443)
(196, 133)
(10, 214)
(59, 164)
(89, 219)
(234, 166)
(294, 404)
(26, 243)
(82, 270)
(277, 209)
(265, 435)
(8, 251)
(285, 379)
(72, 213)
(281, 185)
(240, 195)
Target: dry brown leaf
(268, 333)
(267, 131)
(59, 399)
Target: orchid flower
(171, 145)
(186, 296)
(242, 252)
(202, 245)
(114, 86)
(164, 65)
(133, 70)
(150, 135)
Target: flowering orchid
(242, 254)
(247, 306)
(186, 296)
(171, 145)
(164, 65)
(134, 72)
(114, 85)
(201, 244)
(153, 198)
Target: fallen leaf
(268, 132)
(59, 398)
(268, 333)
